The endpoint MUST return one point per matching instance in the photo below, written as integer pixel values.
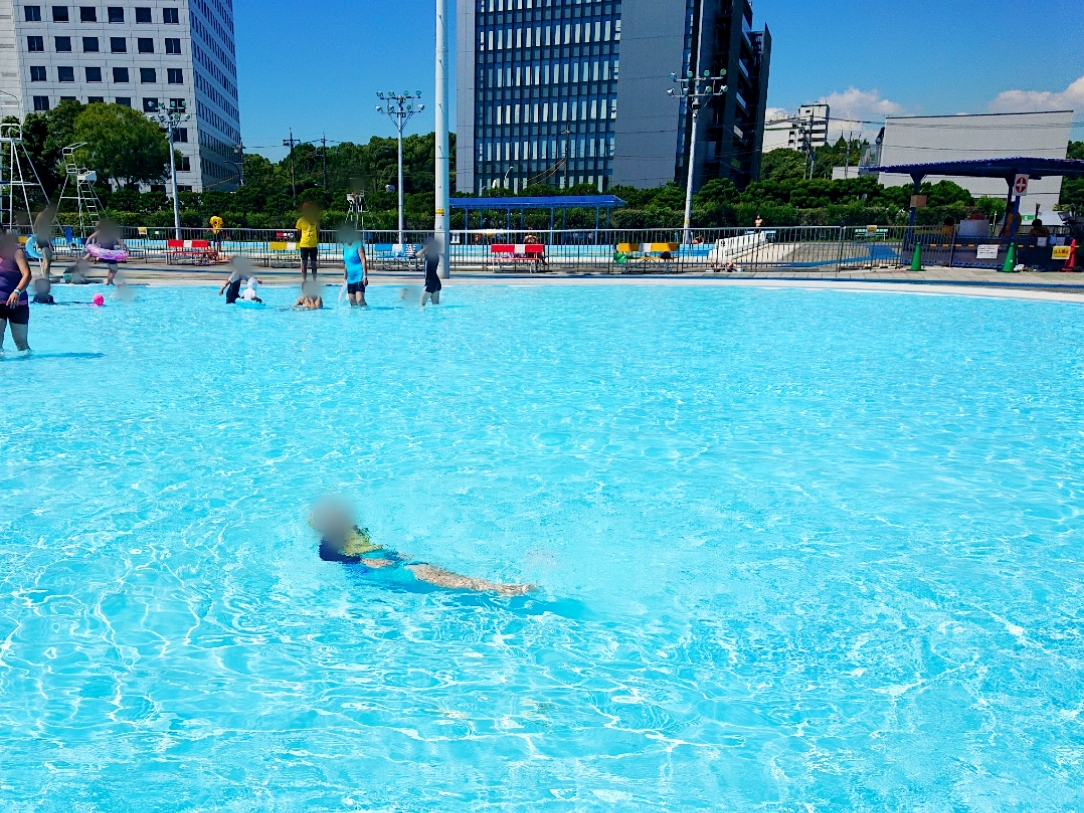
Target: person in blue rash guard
(342, 541)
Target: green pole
(1010, 260)
(916, 259)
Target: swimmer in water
(311, 298)
(357, 272)
(43, 292)
(241, 271)
(344, 542)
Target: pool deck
(1060, 287)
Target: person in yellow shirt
(308, 238)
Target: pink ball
(98, 300)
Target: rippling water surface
(798, 551)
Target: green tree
(122, 144)
(782, 165)
(45, 135)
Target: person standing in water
(431, 255)
(43, 237)
(357, 273)
(308, 239)
(106, 236)
(14, 303)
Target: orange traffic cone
(1070, 263)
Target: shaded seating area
(554, 204)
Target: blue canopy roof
(555, 202)
(1007, 168)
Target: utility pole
(291, 142)
(400, 108)
(323, 152)
(697, 91)
(169, 118)
(442, 215)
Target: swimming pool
(798, 550)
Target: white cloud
(1030, 101)
(776, 113)
(861, 105)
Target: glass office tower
(567, 92)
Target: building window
(120, 76)
(33, 14)
(116, 14)
(146, 45)
(175, 76)
(65, 74)
(148, 76)
(88, 14)
(170, 16)
(118, 45)
(180, 135)
(37, 74)
(41, 104)
(158, 187)
(60, 15)
(95, 99)
(177, 104)
(63, 44)
(124, 101)
(186, 166)
(68, 99)
(143, 15)
(94, 74)
(150, 105)
(90, 45)
(173, 45)
(35, 44)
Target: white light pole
(696, 89)
(169, 118)
(442, 219)
(400, 109)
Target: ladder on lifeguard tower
(19, 181)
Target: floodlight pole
(442, 219)
(400, 108)
(696, 89)
(170, 117)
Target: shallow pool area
(797, 550)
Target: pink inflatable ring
(109, 255)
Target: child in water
(343, 541)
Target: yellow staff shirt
(310, 233)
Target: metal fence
(804, 249)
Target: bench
(519, 255)
(194, 252)
(394, 256)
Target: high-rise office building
(139, 53)
(565, 92)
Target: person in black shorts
(14, 303)
(431, 253)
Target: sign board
(987, 252)
(1020, 185)
(918, 201)
(1062, 252)
(871, 230)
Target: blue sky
(317, 66)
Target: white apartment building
(139, 53)
(805, 131)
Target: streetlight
(442, 211)
(507, 173)
(239, 151)
(169, 118)
(695, 89)
(400, 108)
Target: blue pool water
(797, 550)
